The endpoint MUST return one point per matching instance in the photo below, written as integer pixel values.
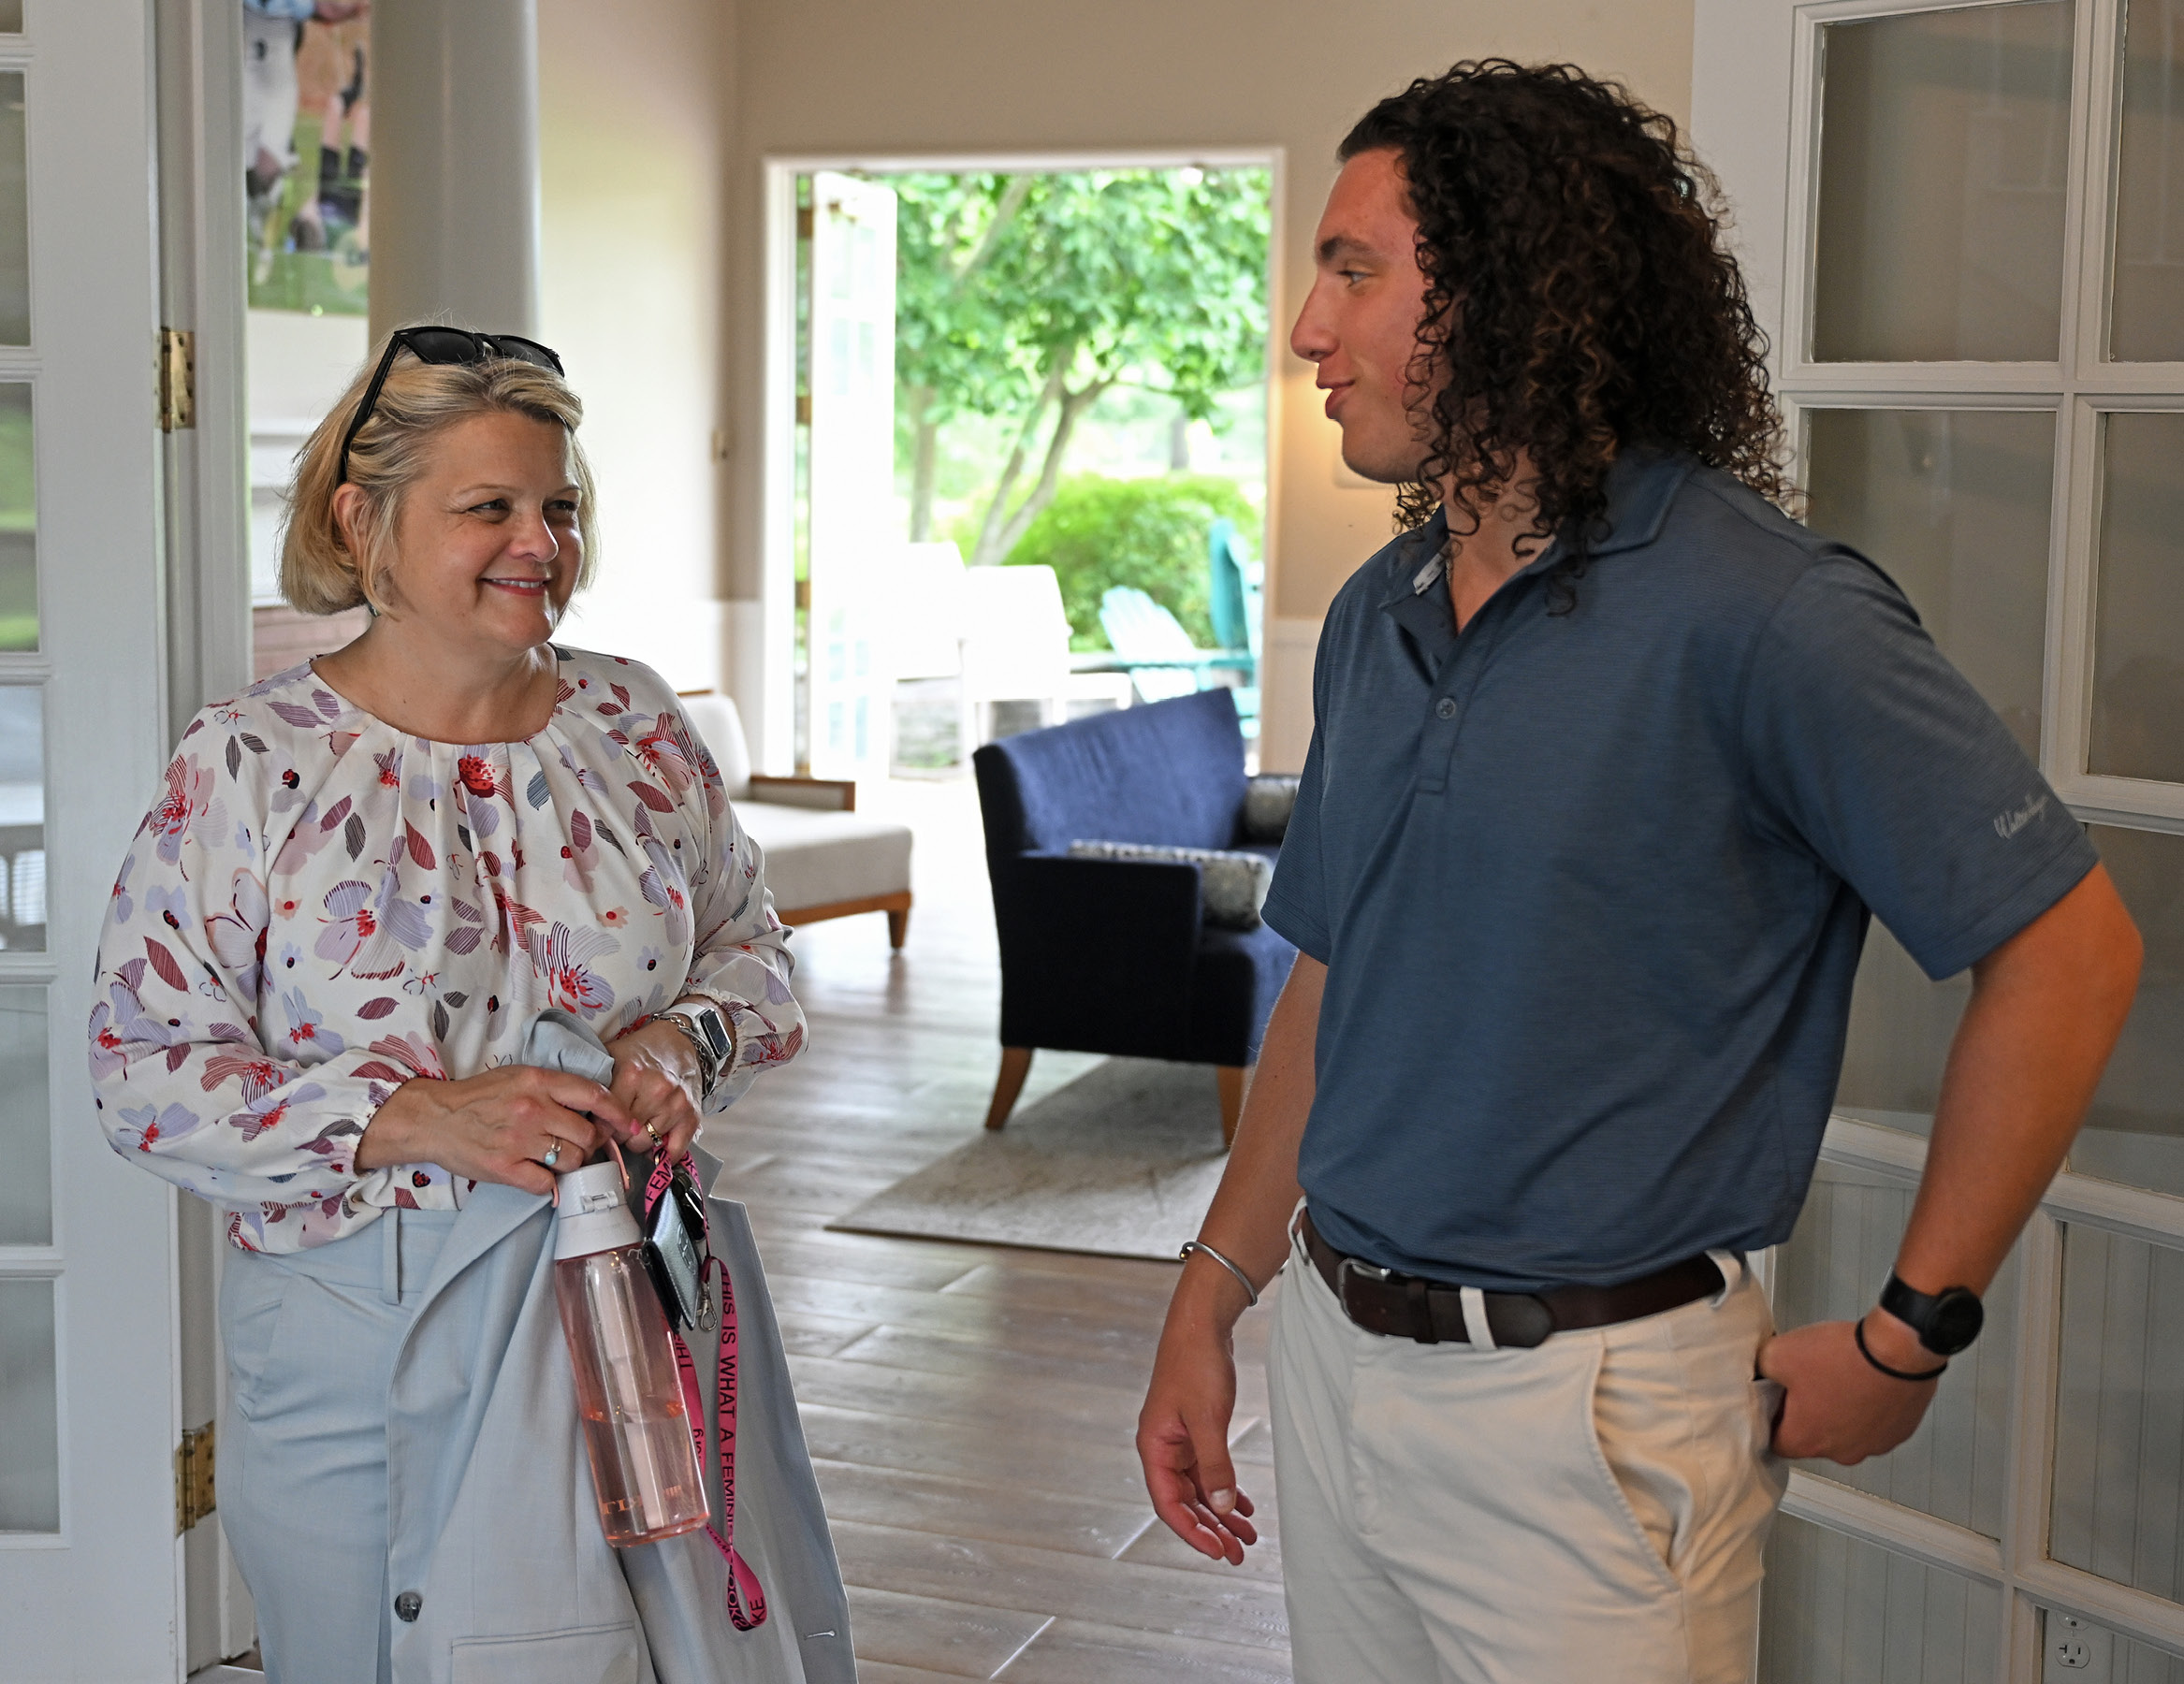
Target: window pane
(2146, 316)
(30, 1472)
(23, 819)
(1838, 1610)
(1955, 1466)
(2119, 1494)
(2135, 1131)
(1945, 139)
(19, 559)
(1953, 505)
(26, 1190)
(14, 215)
(2138, 610)
(10, 17)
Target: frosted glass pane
(26, 1190)
(1838, 1610)
(2118, 1492)
(2134, 1132)
(2147, 313)
(30, 1471)
(19, 569)
(10, 17)
(2138, 614)
(1955, 1466)
(23, 819)
(1953, 505)
(1945, 142)
(14, 215)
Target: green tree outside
(1025, 298)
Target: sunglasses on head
(443, 345)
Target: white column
(455, 164)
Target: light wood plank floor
(970, 1408)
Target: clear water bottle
(644, 1462)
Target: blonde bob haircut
(419, 400)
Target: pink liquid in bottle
(644, 1461)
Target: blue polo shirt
(1591, 888)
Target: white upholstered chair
(822, 858)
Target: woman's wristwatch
(711, 1036)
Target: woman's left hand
(656, 1078)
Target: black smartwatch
(714, 1038)
(1945, 1321)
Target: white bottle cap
(594, 1214)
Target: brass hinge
(193, 1479)
(803, 222)
(803, 409)
(178, 378)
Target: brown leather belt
(1405, 1306)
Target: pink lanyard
(746, 1600)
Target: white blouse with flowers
(321, 907)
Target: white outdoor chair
(822, 858)
(1016, 648)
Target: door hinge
(803, 222)
(803, 409)
(178, 378)
(193, 1479)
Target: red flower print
(477, 776)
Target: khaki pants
(1588, 1512)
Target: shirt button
(408, 1605)
(1445, 707)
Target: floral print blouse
(321, 907)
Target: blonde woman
(363, 880)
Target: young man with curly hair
(1612, 759)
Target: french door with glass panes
(1963, 226)
(90, 1564)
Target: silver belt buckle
(1372, 1272)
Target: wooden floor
(969, 1407)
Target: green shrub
(1102, 532)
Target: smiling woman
(366, 879)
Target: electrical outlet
(2077, 1653)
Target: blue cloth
(1591, 888)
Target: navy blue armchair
(1115, 955)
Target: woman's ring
(658, 1144)
(553, 1155)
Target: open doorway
(1017, 447)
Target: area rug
(1123, 1161)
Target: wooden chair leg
(1232, 1079)
(1015, 1066)
(898, 928)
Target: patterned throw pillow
(1268, 801)
(1233, 886)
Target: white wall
(634, 109)
(877, 77)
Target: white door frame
(769, 700)
(202, 221)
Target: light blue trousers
(310, 1340)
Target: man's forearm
(2046, 1006)
(1248, 1220)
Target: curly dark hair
(1579, 298)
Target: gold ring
(658, 1144)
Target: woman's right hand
(495, 1126)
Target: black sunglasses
(443, 345)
